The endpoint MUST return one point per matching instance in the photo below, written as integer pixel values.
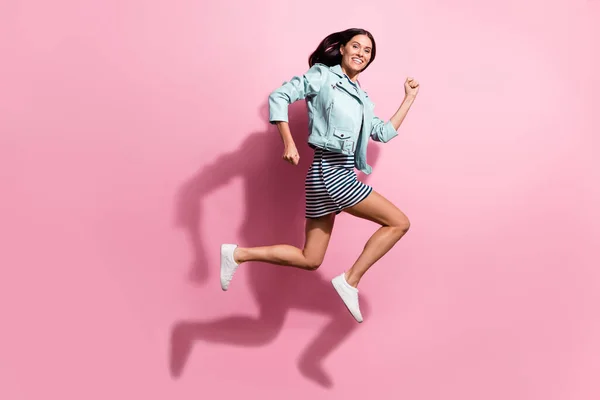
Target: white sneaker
(228, 264)
(349, 295)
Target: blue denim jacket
(329, 96)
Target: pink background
(134, 141)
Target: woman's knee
(313, 263)
(405, 224)
(312, 259)
(401, 224)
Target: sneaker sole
(221, 268)
(335, 286)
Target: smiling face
(356, 55)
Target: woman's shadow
(274, 196)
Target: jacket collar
(337, 69)
(345, 82)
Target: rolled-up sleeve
(298, 88)
(382, 131)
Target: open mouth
(357, 61)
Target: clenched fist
(290, 154)
(411, 87)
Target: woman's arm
(298, 88)
(400, 114)
(384, 132)
(290, 151)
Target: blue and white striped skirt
(331, 184)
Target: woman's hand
(411, 87)
(290, 154)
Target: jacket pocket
(344, 141)
(342, 135)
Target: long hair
(328, 51)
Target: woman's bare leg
(394, 224)
(318, 232)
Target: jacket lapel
(344, 83)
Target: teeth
(356, 60)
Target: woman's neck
(352, 77)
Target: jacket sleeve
(298, 88)
(381, 131)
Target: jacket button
(342, 135)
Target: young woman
(341, 122)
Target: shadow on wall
(274, 196)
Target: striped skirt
(331, 184)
